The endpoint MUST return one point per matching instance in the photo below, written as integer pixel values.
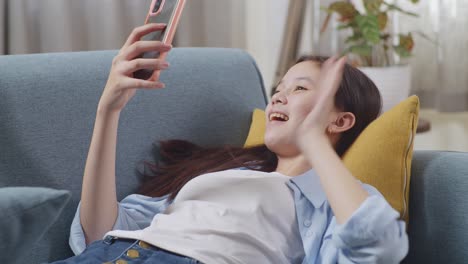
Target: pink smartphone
(161, 11)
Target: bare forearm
(98, 198)
(345, 194)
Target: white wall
(265, 24)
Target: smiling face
(295, 97)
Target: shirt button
(310, 232)
(307, 223)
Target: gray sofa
(47, 111)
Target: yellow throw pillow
(257, 129)
(381, 156)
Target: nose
(279, 97)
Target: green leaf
(362, 50)
(414, 1)
(326, 9)
(344, 9)
(372, 6)
(405, 45)
(344, 26)
(402, 52)
(406, 42)
(369, 27)
(353, 38)
(382, 19)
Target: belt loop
(108, 240)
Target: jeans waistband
(112, 239)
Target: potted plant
(372, 47)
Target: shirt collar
(310, 186)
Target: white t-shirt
(232, 216)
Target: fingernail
(165, 65)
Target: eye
(299, 88)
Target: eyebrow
(298, 79)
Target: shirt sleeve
(135, 212)
(373, 234)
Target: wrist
(106, 112)
(316, 146)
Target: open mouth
(278, 117)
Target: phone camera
(157, 6)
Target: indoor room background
(439, 67)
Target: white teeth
(278, 115)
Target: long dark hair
(180, 160)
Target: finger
(137, 48)
(139, 32)
(340, 64)
(335, 64)
(329, 62)
(333, 58)
(344, 58)
(138, 64)
(341, 60)
(131, 83)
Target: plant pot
(394, 83)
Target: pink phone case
(161, 11)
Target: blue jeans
(112, 250)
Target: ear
(343, 122)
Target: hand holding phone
(161, 12)
(121, 84)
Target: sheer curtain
(33, 26)
(212, 23)
(440, 71)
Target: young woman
(289, 201)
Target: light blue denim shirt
(373, 234)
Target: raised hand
(121, 86)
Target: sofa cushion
(27, 214)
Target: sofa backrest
(438, 231)
(48, 106)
